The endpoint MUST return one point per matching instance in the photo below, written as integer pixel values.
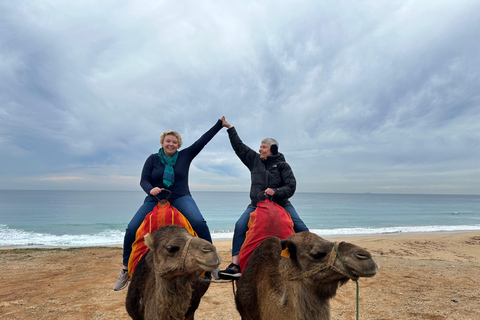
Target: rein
(181, 266)
(329, 265)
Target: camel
(166, 283)
(301, 286)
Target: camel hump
(271, 245)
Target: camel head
(177, 252)
(317, 261)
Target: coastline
(98, 219)
(421, 276)
(332, 237)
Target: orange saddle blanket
(269, 219)
(163, 214)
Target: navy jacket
(152, 173)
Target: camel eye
(318, 255)
(172, 249)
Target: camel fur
(166, 283)
(275, 287)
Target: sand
(421, 276)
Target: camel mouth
(365, 273)
(208, 266)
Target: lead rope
(351, 277)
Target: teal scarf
(169, 163)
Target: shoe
(122, 280)
(232, 272)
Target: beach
(420, 276)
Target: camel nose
(363, 255)
(208, 249)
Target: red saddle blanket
(269, 219)
(163, 214)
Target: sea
(99, 218)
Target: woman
(167, 169)
(270, 174)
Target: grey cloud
(87, 88)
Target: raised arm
(198, 145)
(243, 152)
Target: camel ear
(290, 246)
(148, 240)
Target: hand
(269, 192)
(225, 123)
(155, 191)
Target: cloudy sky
(363, 96)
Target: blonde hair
(171, 133)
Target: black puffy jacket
(272, 172)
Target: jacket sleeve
(289, 182)
(146, 178)
(198, 145)
(243, 152)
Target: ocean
(99, 218)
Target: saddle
(269, 219)
(163, 214)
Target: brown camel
(301, 286)
(166, 283)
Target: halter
(180, 266)
(329, 265)
(163, 201)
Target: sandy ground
(421, 276)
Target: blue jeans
(241, 227)
(186, 205)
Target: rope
(166, 199)
(351, 277)
(328, 265)
(184, 254)
(215, 281)
(177, 266)
(221, 281)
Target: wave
(10, 237)
(393, 230)
(22, 238)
